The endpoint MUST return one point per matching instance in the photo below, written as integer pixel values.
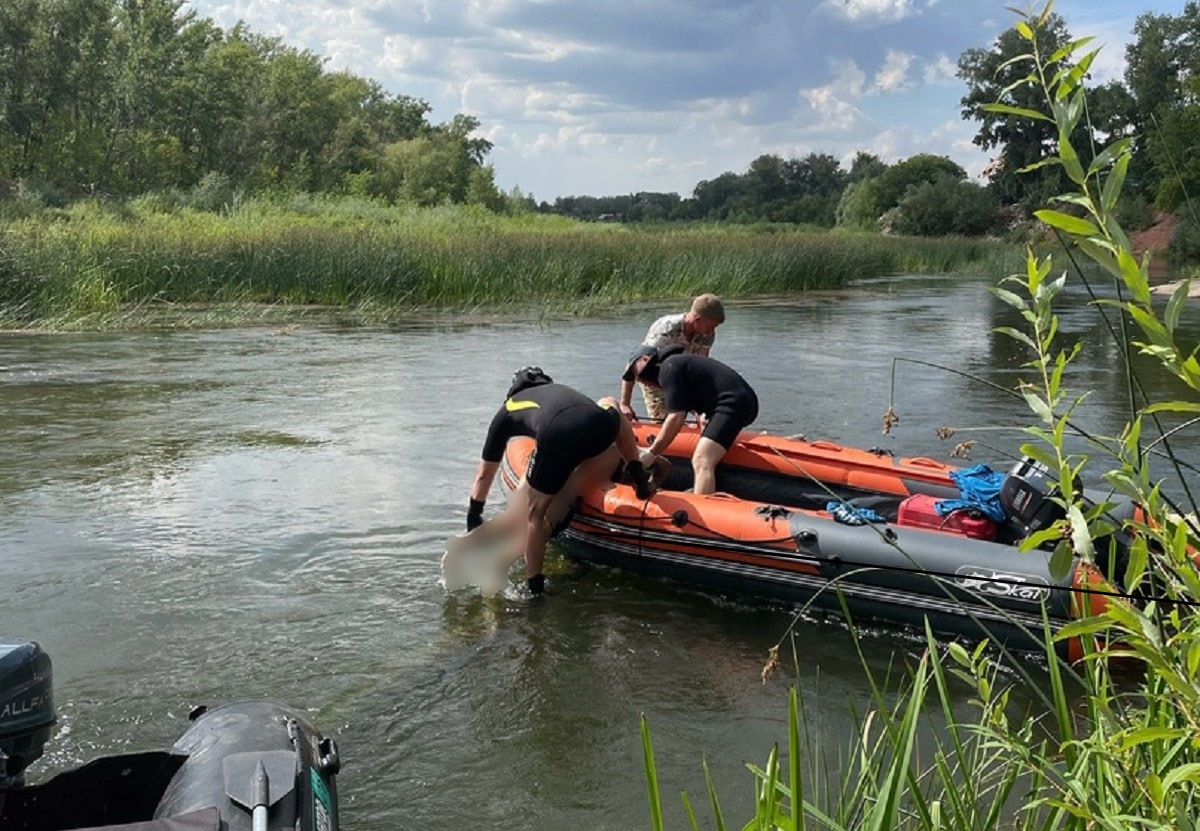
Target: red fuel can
(917, 511)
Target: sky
(609, 97)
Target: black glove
(474, 514)
(639, 477)
(536, 584)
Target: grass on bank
(96, 265)
(1112, 743)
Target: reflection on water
(203, 516)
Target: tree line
(924, 195)
(123, 97)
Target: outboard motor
(26, 709)
(1027, 495)
(246, 766)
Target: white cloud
(834, 103)
(871, 11)
(941, 70)
(893, 76)
(401, 52)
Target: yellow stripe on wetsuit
(512, 405)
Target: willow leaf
(1008, 109)
(1068, 223)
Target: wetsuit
(696, 383)
(569, 428)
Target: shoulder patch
(513, 405)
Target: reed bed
(98, 266)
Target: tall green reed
(375, 261)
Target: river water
(198, 517)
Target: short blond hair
(709, 307)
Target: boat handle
(826, 445)
(925, 461)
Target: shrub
(214, 193)
(947, 206)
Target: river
(203, 516)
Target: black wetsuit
(569, 428)
(697, 383)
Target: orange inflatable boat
(899, 539)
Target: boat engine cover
(1027, 495)
(26, 707)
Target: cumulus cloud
(870, 11)
(941, 70)
(893, 76)
(834, 102)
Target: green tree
(297, 117)
(765, 186)
(216, 91)
(122, 96)
(993, 75)
(947, 205)
(53, 84)
(481, 189)
(1162, 66)
(20, 105)
(713, 197)
(894, 182)
(865, 166)
(864, 203)
(814, 186)
(143, 149)
(430, 170)
(857, 207)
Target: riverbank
(99, 267)
(1170, 288)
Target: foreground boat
(783, 525)
(250, 765)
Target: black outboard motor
(26, 709)
(245, 766)
(1027, 495)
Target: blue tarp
(852, 515)
(980, 488)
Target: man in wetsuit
(580, 442)
(724, 401)
(694, 330)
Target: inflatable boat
(249, 766)
(838, 528)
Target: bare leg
(626, 441)
(704, 462)
(546, 511)
(537, 531)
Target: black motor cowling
(1028, 496)
(26, 708)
